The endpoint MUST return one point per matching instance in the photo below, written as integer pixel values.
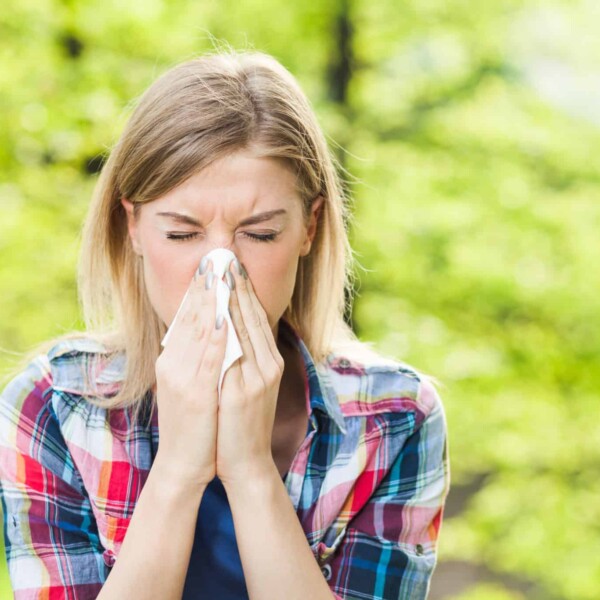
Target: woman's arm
(53, 547)
(389, 547)
(155, 554)
(276, 557)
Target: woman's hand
(249, 391)
(187, 374)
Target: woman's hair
(192, 115)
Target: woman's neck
(291, 399)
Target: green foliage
(488, 591)
(475, 221)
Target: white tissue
(221, 259)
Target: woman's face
(240, 202)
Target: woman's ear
(132, 227)
(311, 230)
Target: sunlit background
(472, 133)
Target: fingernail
(243, 271)
(203, 266)
(229, 280)
(219, 322)
(209, 280)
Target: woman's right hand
(187, 375)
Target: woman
(320, 470)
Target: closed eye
(261, 237)
(255, 237)
(179, 237)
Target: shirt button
(344, 363)
(326, 570)
(109, 558)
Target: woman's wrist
(253, 477)
(177, 480)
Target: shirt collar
(322, 396)
(70, 377)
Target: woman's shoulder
(26, 391)
(77, 364)
(367, 382)
(85, 365)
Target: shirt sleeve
(52, 546)
(389, 548)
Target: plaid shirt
(368, 484)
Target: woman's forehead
(244, 184)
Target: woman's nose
(221, 240)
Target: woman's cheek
(274, 287)
(167, 274)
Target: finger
(212, 358)
(250, 372)
(266, 327)
(195, 318)
(256, 322)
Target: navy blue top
(215, 569)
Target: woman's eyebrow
(258, 218)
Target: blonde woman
(318, 470)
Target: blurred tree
(473, 178)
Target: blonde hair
(193, 114)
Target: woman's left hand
(249, 392)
